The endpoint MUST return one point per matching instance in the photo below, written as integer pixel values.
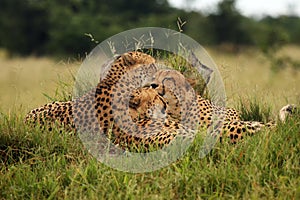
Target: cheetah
(168, 81)
(134, 112)
(102, 109)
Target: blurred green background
(60, 28)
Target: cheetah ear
(191, 81)
(134, 103)
(128, 59)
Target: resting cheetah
(153, 116)
(101, 110)
(166, 82)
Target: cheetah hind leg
(237, 130)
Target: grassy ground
(25, 81)
(37, 164)
(49, 165)
(248, 75)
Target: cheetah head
(146, 103)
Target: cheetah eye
(153, 85)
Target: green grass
(253, 110)
(37, 164)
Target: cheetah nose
(153, 85)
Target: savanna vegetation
(37, 164)
(258, 61)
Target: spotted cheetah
(168, 81)
(133, 111)
(102, 109)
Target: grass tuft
(254, 110)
